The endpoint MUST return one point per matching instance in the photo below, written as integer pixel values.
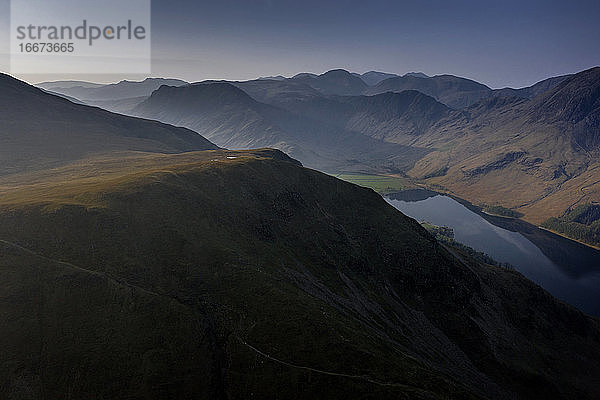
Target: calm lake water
(567, 269)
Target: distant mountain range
(450, 90)
(63, 85)
(453, 91)
(114, 91)
(117, 97)
(443, 130)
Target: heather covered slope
(38, 130)
(285, 282)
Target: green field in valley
(379, 183)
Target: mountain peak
(209, 92)
(455, 92)
(334, 82)
(304, 75)
(416, 75)
(574, 98)
(337, 71)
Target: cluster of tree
(581, 223)
(502, 211)
(445, 235)
(436, 231)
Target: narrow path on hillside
(119, 281)
(319, 371)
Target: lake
(568, 270)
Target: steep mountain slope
(393, 117)
(335, 82)
(120, 106)
(531, 91)
(547, 148)
(113, 91)
(235, 274)
(232, 119)
(575, 101)
(277, 92)
(38, 130)
(216, 109)
(451, 90)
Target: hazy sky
(499, 43)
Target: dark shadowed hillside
(223, 274)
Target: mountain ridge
(334, 82)
(114, 91)
(451, 90)
(41, 129)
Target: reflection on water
(568, 270)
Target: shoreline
(570, 238)
(480, 211)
